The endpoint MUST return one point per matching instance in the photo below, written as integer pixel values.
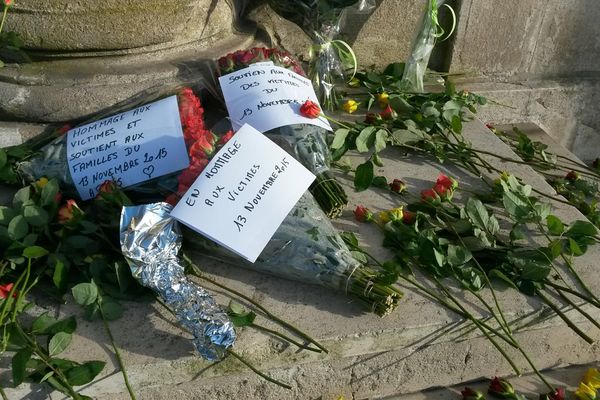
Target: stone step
(420, 346)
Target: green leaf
(58, 343)
(582, 228)
(349, 238)
(3, 158)
(340, 138)
(85, 293)
(364, 176)
(6, 215)
(35, 215)
(45, 377)
(243, 320)
(92, 312)
(400, 105)
(29, 240)
(18, 228)
(359, 256)
(19, 365)
(34, 252)
(496, 273)
(85, 373)
(456, 124)
(477, 213)
(575, 248)
(112, 310)
(380, 182)
(458, 255)
(23, 195)
(67, 325)
(555, 225)
(49, 192)
(236, 308)
(405, 136)
(60, 275)
(380, 140)
(41, 323)
(313, 233)
(365, 139)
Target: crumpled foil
(150, 241)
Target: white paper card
(128, 148)
(267, 97)
(244, 193)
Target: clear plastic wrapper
(308, 141)
(322, 21)
(150, 241)
(427, 35)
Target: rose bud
(572, 176)
(447, 181)
(471, 394)
(68, 212)
(383, 99)
(363, 214)
(5, 290)
(371, 118)
(501, 388)
(310, 109)
(388, 113)
(350, 106)
(409, 217)
(430, 196)
(397, 186)
(558, 394)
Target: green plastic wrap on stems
(308, 141)
(427, 35)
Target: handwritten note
(127, 148)
(244, 193)
(267, 97)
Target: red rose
(225, 138)
(443, 191)
(63, 129)
(189, 175)
(501, 388)
(371, 118)
(388, 113)
(68, 212)
(363, 214)
(107, 187)
(409, 217)
(8, 2)
(447, 181)
(397, 186)
(572, 176)
(173, 199)
(430, 196)
(203, 147)
(310, 109)
(558, 394)
(471, 394)
(5, 290)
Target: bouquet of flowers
(308, 141)
(306, 247)
(427, 35)
(322, 21)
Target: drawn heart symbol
(149, 170)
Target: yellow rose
(40, 183)
(383, 99)
(585, 392)
(592, 378)
(350, 106)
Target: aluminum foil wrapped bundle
(150, 241)
(308, 142)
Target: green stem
(579, 309)
(569, 323)
(284, 337)
(42, 355)
(481, 328)
(573, 292)
(117, 352)
(262, 375)
(195, 272)
(4, 397)
(3, 18)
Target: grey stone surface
(84, 25)
(518, 39)
(419, 346)
(566, 109)
(63, 90)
